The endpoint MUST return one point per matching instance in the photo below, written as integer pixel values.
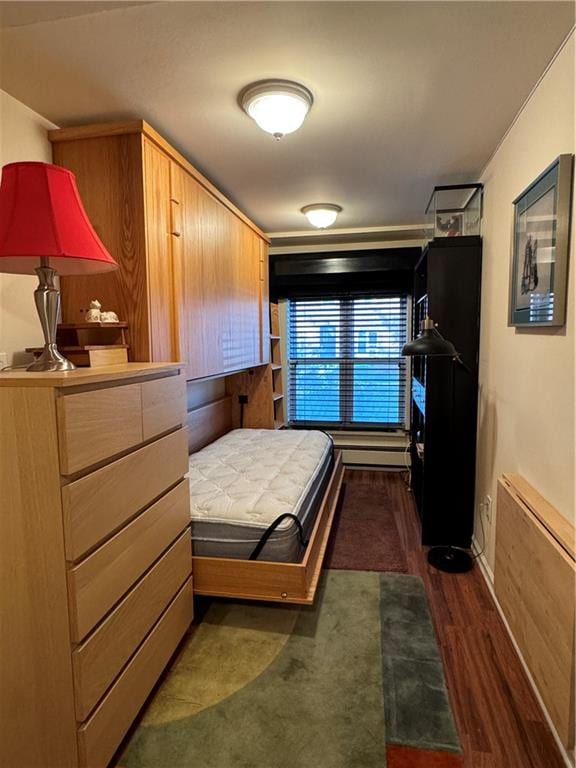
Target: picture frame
(540, 248)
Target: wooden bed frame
(261, 579)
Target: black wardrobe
(447, 281)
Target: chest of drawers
(95, 555)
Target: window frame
(347, 364)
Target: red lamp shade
(41, 215)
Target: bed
(240, 485)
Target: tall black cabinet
(447, 283)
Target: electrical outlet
(3, 360)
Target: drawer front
(99, 581)
(95, 425)
(98, 661)
(163, 405)
(97, 505)
(99, 738)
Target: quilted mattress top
(251, 476)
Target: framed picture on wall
(540, 246)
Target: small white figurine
(94, 314)
(108, 317)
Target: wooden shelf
(88, 326)
(81, 348)
(277, 413)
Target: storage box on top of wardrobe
(95, 555)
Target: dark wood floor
(498, 718)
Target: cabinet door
(264, 302)
(109, 176)
(244, 306)
(159, 253)
(201, 284)
(188, 273)
(216, 280)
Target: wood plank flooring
(498, 718)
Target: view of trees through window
(345, 360)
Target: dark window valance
(386, 270)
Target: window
(345, 361)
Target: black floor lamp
(431, 343)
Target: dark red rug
(364, 535)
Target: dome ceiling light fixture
(321, 215)
(277, 106)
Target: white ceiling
(407, 94)
(24, 12)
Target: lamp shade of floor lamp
(431, 343)
(44, 229)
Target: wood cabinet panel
(99, 660)
(36, 711)
(99, 581)
(534, 580)
(97, 505)
(264, 303)
(159, 252)
(245, 303)
(217, 280)
(197, 277)
(109, 176)
(216, 251)
(99, 738)
(88, 425)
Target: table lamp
(44, 229)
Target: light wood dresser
(95, 555)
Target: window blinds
(345, 361)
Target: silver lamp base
(47, 299)
(51, 360)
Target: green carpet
(265, 686)
(416, 701)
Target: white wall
(526, 421)
(22, 137)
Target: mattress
(242, 482)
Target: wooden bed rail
(274, 581)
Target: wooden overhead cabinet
(192, 279)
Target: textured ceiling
(407, 94)
(20, 14)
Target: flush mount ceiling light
(321, 215)
(278, 106)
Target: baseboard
(488, 576)
(375, 458)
